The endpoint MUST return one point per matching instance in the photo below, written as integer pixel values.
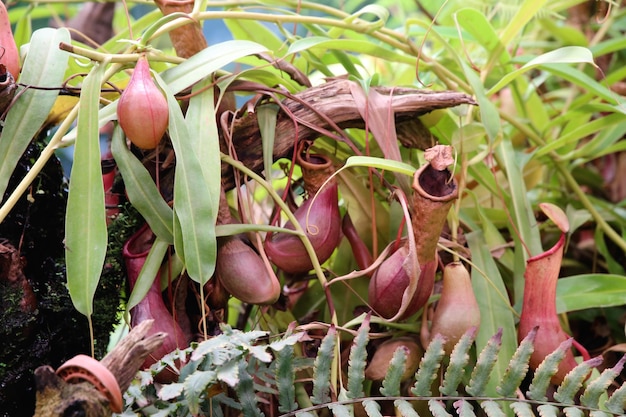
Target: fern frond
(598, 386)
(548, 410)
(341, 410)
(437, 409)
(305, 414)
(405, 408)
(195, 386)
(321, 368)
(464, 409)
(616, 402)
(522, 409)
(573, 412)
(458, 360)
(518, 366)
(484, 365)
(429, 365)
(245, 392)
(599, 413)
(358, 360)
(372, 408)
(492, 409)
(285, 379)
(391, 383)
(574, 380)
(546, 370)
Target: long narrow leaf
(44, 67)
(193, 205)
(85, 224)
(141, 189)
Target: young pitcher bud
(243, 274)
(322, 227)
(388, 284)
(142, 109)
(9, 55)
(457, 310)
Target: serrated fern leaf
(358, 360)
(597, 387)
(574, 380)
(285, 378)
(548, 410)
(458, 360)
(429, 365)
(522, 409)
(464, 409)
(546, 370)
(372, 408)
(437, 409)
(484, 365)
(599, 413)
(321, 368)
(305, 414)
(393, 377)
(615, 403)
(573, 412)
(341, 410)
(518, 366)
(195, 386)
(492, 409)
(405, 408)
(245, 393)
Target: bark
(57, 397)
(327, 108)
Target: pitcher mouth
(139, 244)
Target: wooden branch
(58, 397)
(127, 357)
(324, 108)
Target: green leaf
(393, 377)
(438, 409)
(322, 44)
(580, 292)
(207, 61)
(484, 365)
(149, 271)
(518, 366)
(565, 55)
(380, 163)
(194, 206)
(459, 358)
(575, 379)
(141, 189)
(405, 408)
(495, 311)
(429, 367)
(195, 387)
(44, 67)
(358, 360)
(597, 387)
(322, 366)
(285, 380)
(85, 221)
(266, 117)
(245, 392)
(372, 408)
